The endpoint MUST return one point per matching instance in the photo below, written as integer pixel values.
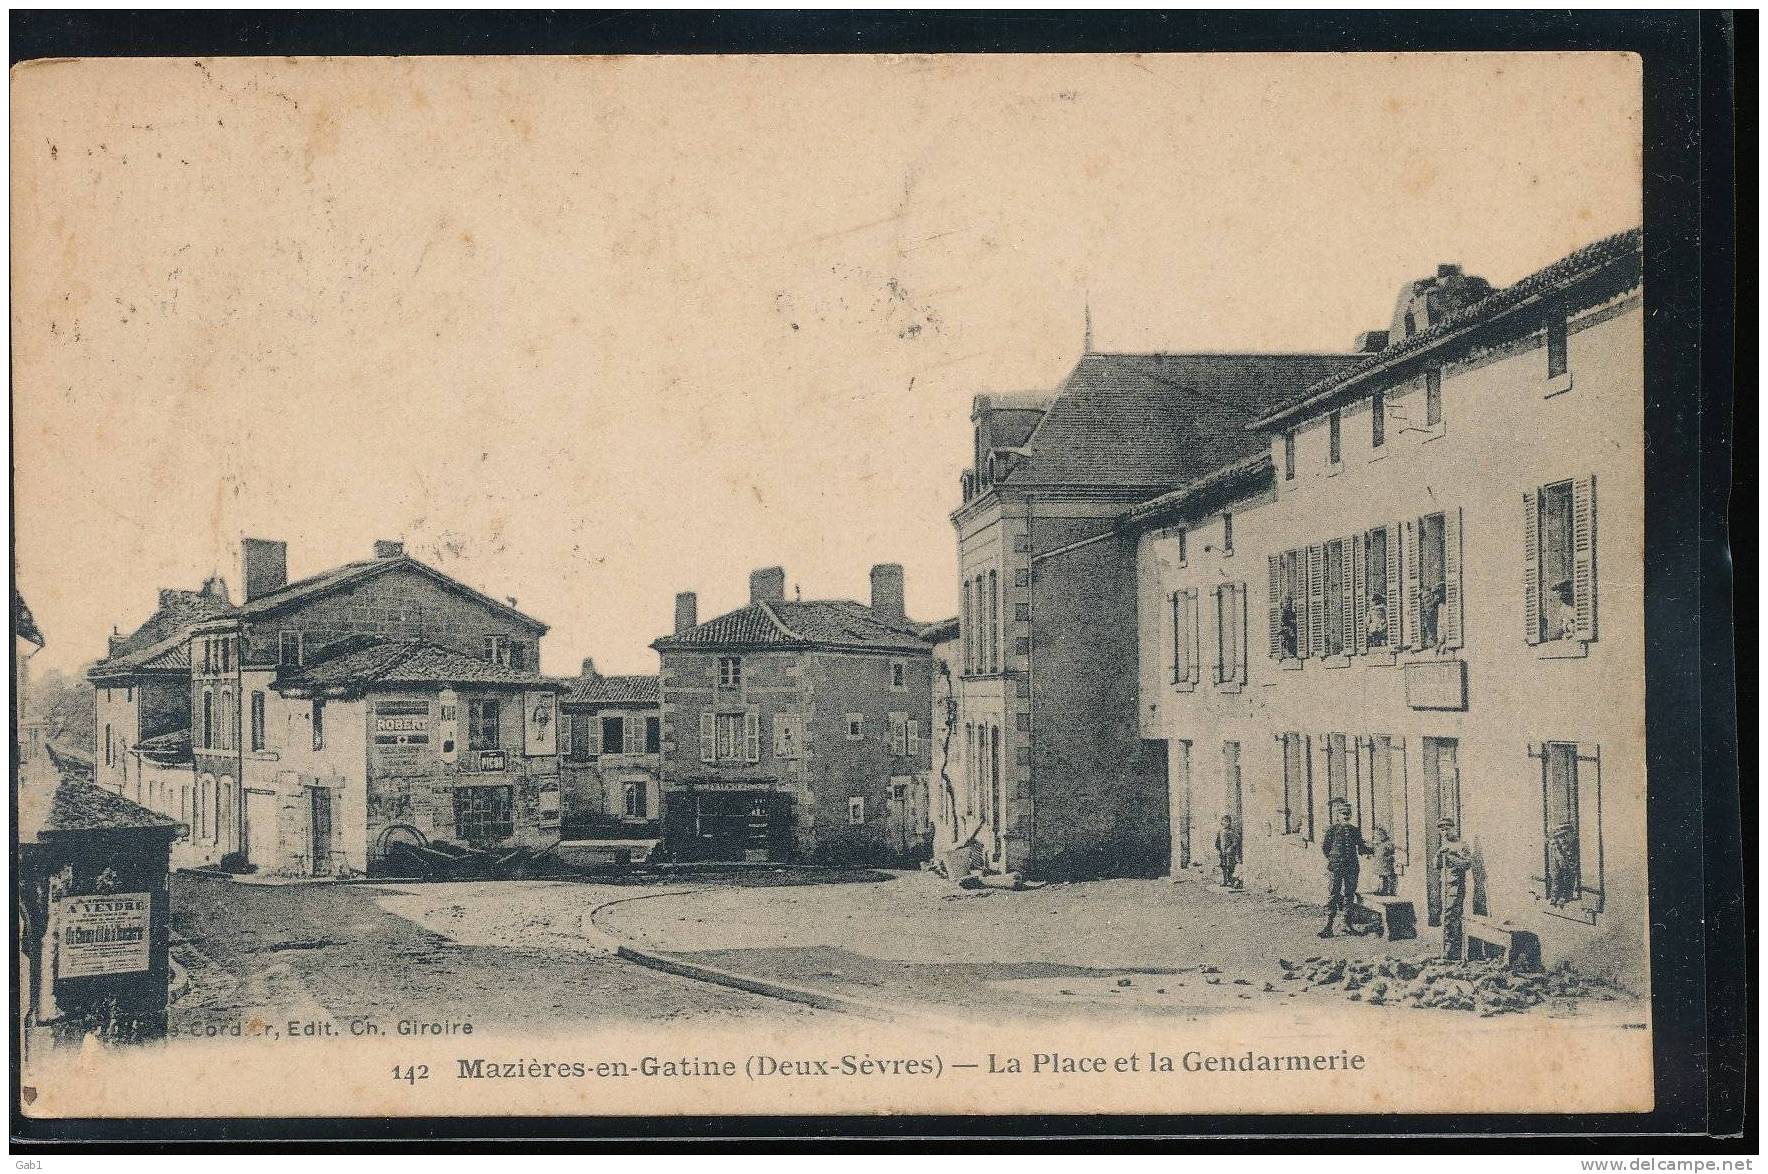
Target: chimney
(1370, 341)
(266, 563)
(215, 587)
(887, 592)
(116, 640)
(168, 596)
(687, 611)
(767, 585)
(589, 672)
(388, 548)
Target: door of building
(740, 825)
(1181, 799)
(901, 815)
(1442, 799)
(260, 832)
(321, 848)
(1231, 782)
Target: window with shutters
(899, 734)
(1570, 880)
(1337, 771)
(730, 672)
(1436, 583)
(1333, 605)
(730, 737)
(1183, 604)
(497, 650)
(914, 738)
(1559, 565)
(288, 650)
(1288, 600)
(1297, 795)
(1230, 635)
(1380, 555)
(257, 721)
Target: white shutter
(1274, 616)
(1216, 650)
(1584, 556)
(1316, 642)
(1193, 636)
(708, 738)
(1307, 767)
(594, 721)
(1452, 565)
(1590, 823)
(1359, 641)
(1392, 600)
(1531, 567)
(1414, 612)
(751, 737)
(1242, 635)
(1181, 671)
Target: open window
(1559, 565)
(1570, 883)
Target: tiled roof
(78, 805)
(1204, 491)
(634, 690)
(1154, 420)
(166, 629)
(1622, 246)
(356, 572)
(363, 663)
(807, 623)
(166, 749)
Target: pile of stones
(1486, 988)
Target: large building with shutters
(1425, 598)
(797, 730)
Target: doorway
(321, 827)
(1181, 799)
(260, 831)
(1231, 784)
(1442, 800)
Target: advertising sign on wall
(104, 934)
(541, 724)
(401, 730)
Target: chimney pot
(767, 585)
(687, 611)
(887, 601)
(215, 587)
(116, 640)
(589, 669)
(266, 565)
(389, 548)
(1448, 270)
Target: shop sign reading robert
(103, 934)
(401, 732)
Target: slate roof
(940, 631)
(77, 805)
(352, 573)
(634, 690)
(806, 623)
(357, 665)
(1625, 246)
(1150, 421)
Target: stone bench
(1486, 938)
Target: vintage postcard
(803, 584)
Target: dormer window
(289, 650)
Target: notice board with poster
(401, 733)
(104, 934)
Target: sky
(587, 332)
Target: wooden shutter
(1584, 556)
(1347, 599)
(1359, 641)
(1193, 636)
(1180, 673)
(1316, 642)
(1538, 754)
(1451, 621)
(1590, 824)
(594, 722)
(914, 738)
(1307, 769)
(708, 738)
(1531, 567)
(1392, 601)
(1275, 614)
(1242, 635)
(752, 737)
(1414, 618)
(1396, 782)
(1216, 650)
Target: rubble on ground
(1486, 987)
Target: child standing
(1386, 875)
(1228, 852)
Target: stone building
(1065, 784)
(951, 805)
(1430, 607)
(795, 730)
(211, 714)
(611, 742)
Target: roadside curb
(822, 1000)
(718, 976)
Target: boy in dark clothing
(1341, 845)
(1228, 852)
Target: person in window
(1454, 861)
(1376, 628)
(1431, 627)
(1562, 613)
(1386, 875)
(1562, 865)
(1286, 629)
(1227, 845)
(1341, 845)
